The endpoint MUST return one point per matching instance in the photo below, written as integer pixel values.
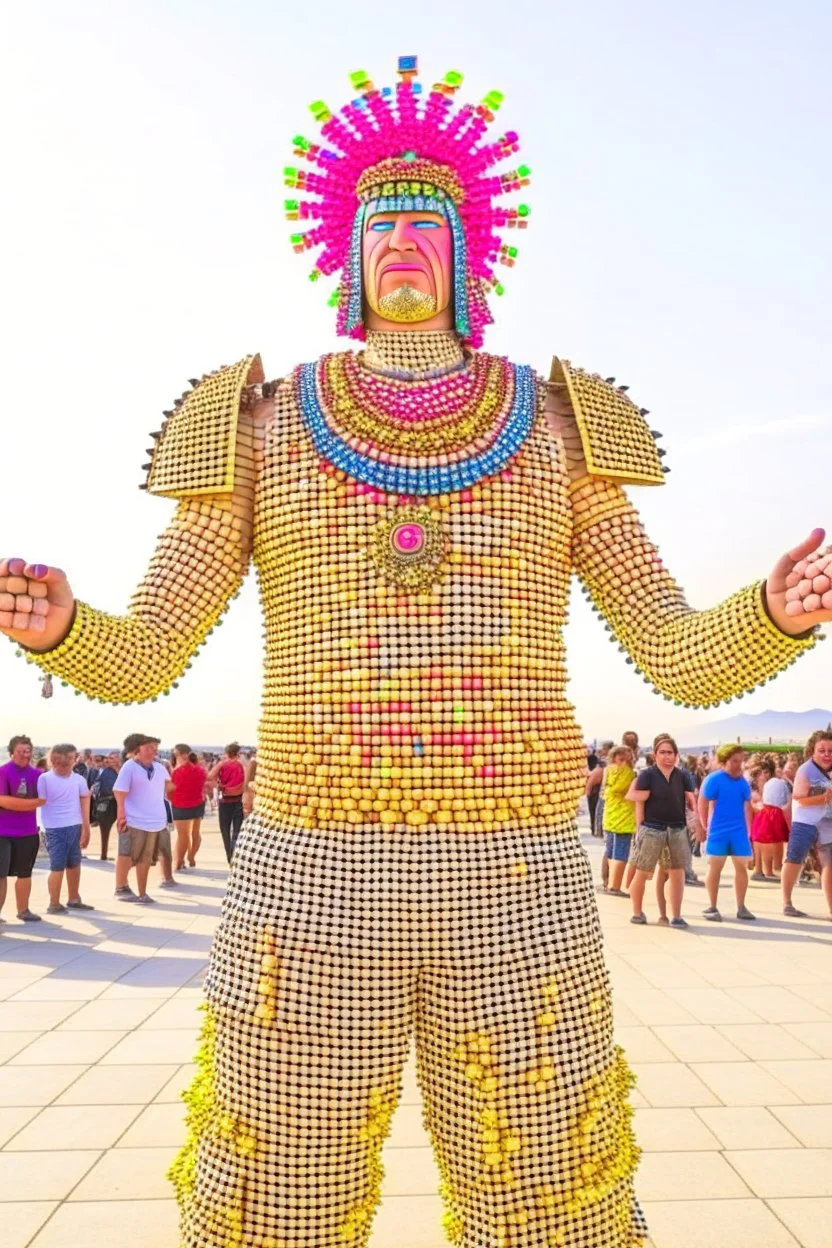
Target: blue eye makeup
(384, 227)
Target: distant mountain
(778, 725)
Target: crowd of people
(156, 805)
(770, 814)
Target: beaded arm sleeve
(695, 658)
(198, 565)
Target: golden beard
(405, 303)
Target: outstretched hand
(799, 590)
(36, 604)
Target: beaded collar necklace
(417, 475)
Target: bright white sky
(680, 241)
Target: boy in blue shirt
(725, 810)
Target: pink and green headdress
(400, 152)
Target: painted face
(407, 263)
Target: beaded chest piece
(418, 438)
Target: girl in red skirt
(771, 823)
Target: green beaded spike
(301, 142)
(454, 78)
(320, 111)
(493, 100)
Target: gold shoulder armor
(617, 441)
(194, 451)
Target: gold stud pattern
(695, 658)
(521, 1162)
(402, 725)
(196, 452)
(617, 442)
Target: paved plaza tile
(729, 1029)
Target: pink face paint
(419, 246)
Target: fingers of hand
(806, 547)
(809, 584)
(23, 604)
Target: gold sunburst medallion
(410, 549)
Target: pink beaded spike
(384, 125)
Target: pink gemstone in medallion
(408, 539)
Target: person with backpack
(230, 778)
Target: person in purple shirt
(19, 839)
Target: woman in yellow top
(619, 815)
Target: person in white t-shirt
(65, 816)
(139, 791)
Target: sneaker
(144, 900)
(617, 892)
(713, 914)
(745, 913)
(640, 919)
(792, 912)
(168, 884)
(679, 922)
(26, 916)
(693, 881)
(760, 878)
(124, 894)
(56, 909)
(78, 904)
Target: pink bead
(812, 602)
(826, 600)
(821, 583)
(792, 579)
(794, 608)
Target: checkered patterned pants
(333, 951)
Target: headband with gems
(392, 152)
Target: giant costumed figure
(412, 865)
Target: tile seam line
(63, 1201)
(767, 1108)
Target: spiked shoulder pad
(195, 450)
(618, 443)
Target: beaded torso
(414, 663)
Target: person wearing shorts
(186, 793)
(725, 810)
(771, 823)
(619, 816)
(139, 791)
(66, 824)
(811, 821)
(19, 838)
(662, 794)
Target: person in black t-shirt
(662, 793)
